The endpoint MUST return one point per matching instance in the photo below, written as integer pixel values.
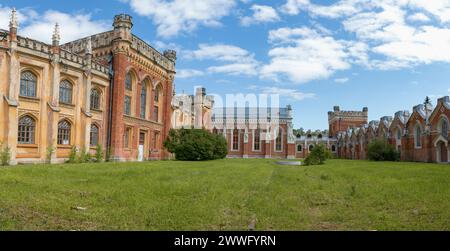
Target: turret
(56, 37)
(171, 55)
(13, 25)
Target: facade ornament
(56, 35)
(291, 136)
(13, 22)
(89, 46)
(246, 135)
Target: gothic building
(111, 89)
(421, 135)
(256, 132)
(192, 111)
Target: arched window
(320, 136)
(127, 108)
(28, 84)
(444, 128)
(399, 134)
(235, 144)
(279, 140)
(143, 100)
(156, 104)
(257, 140)
(215, 131)
(94, 135)
(65, 92)
(95, 99)
(299, 148)
(26, 131)
(128, 82)
(311, 147)
(64, 133)
(418, 136)
(333, 148)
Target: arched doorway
(442, 152)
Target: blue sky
(385, 54)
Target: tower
(340, 121)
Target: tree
(196, 144)
(318, 155)
(381, 150)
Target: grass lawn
(226, 195)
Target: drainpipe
(111, 88)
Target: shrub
(318, 155)
(84, 156)
(98, 154)
(5, 155)
(195, 145)
(49, 153)
(381, 150)
(73, 155)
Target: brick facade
(420, 136)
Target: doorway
(141, 146)
(442, 152)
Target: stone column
(246, 145)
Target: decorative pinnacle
(89, 46)
(56, 36)
(13, 23)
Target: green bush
(98, 157)
(381, 150)
(49, 153)
(84, 156)
(73, 155)
(5, 155)
(318, 155)
(195, 145)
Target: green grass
(226, 195)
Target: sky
(386, 55)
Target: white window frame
(296, 148)
(253, 141)
(275, 141)
(232, 141)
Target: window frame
(93, 125)
(66, 92)
(28, 131)
(64, 133)
(96, 98)
(27, 83)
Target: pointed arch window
(65, 92)
(26, 130)
(444, 128)
(279, 141)
(235, 143)
(95, 99)
(299, 148)
(156, 104)
(128, 82)
(143, 100)
(257, 140)
(94, 135)
(28, 84)
(64, 129)
(417, 136)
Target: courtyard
(230, 194)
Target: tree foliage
(196, 145)
(381, 150)
(318, 155)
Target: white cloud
(173, 17)
(237, 61)
(261, 14)
(40, 26)
(339, 9)
(289, 93)
(418, 17)
(341, 80)
(189, 73)
(303, 54)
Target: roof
(250, 113)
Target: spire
(13, 23)
(56, 37)
(89, 46)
